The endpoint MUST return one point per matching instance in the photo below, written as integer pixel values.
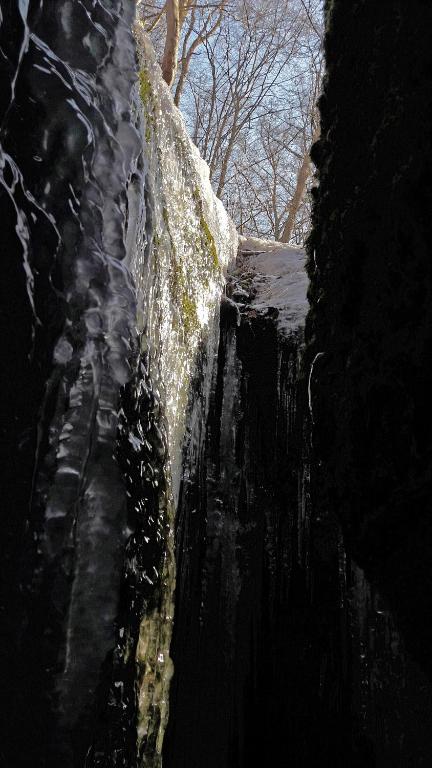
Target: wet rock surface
(283, 653)
(102, 315)
(260, 674)
(238, 550)
(369, 331)
(369, 337)
(68, 310)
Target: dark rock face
(235, 539)
(67, 314)
(262, 643)
(283, 653)
(371, 272)
(369, 332)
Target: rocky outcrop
(114, 260)
(180, 240)
(369, 334)
(282, 650)
(263, 647)
(67, 320)
(240, 550)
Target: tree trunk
(303, 174)
(302, 179)
(169, 60)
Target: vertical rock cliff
(115, 248)
(240, 547)
(369, 330)
(282, 650)
(180, 243)
(68, 312)
(267, 643)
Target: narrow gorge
(215, 449)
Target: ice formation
(179, 246)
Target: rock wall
(68, 311)
(369, 329)
(267, 645)
(237, 543)
(115, 249)
(180, 241)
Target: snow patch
(276, 278)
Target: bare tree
(202, 21)
(246, 64)
(248, 76)
(202, 25)
(311, 132)
(303, 175)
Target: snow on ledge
(277, 278)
